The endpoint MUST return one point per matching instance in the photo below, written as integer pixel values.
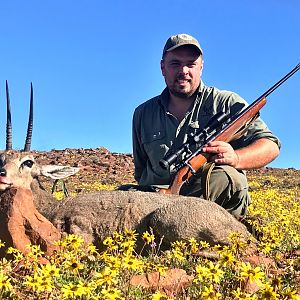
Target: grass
(78, 271)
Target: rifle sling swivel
(192, 170)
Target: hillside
(104, 167)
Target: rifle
(221, 127)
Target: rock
(171, 283)
(256, 260)
(22, 224)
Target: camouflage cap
(179, 40)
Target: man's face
(182, 69)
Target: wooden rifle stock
(236, 126)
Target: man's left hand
(222, 153)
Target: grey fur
(97, 215)
(192, 217)
(42, 199)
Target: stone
(171, 283)
(22, 224)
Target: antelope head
(18, 168)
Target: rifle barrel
(280, 82)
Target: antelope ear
(57, 172)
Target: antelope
(18, 169)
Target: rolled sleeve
(257, 130)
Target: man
(162, 124)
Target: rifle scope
(213, 124)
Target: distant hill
(101, 165)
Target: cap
(179, 40)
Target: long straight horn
(8, 121)
(30, 122)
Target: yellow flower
(131, 263)
(106, 277)
(74, 241)
(234, 236)
(178, 254)
(60, 243)
(239, 295)
(201, 273)
(204, 244)
(59, 195)
(209, 293)
(44, 284)
(5, 264)
(85, 288)
(74, 265)
(179, 245)
(214, 273)
(32, 282)
(111, 294)
(226, 258)
(108, 241)
(69, 290)
(12, 250)
(249, 273)
(266, 247)
(289, 294)
(117, 236)
(161, 269)
(268, 293)
(4, 282)
(18, 256)
(35, 251)
(194, 245)
(92, 252)
(130, 234)
(159, 296)
(49, 270)
(127, 247)
(113, 262)
(148, 238)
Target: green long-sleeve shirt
(155, 129)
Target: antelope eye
(28, 163)
(2, 160)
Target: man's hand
(222, 153)
(256, 155)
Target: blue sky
(92, 62)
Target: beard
(181, 92)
